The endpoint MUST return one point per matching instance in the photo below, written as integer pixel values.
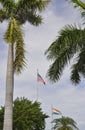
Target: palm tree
(17, 13)
(69, 44)
(64, 123)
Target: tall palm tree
(17, 13)
(69, 44)
(64, 123)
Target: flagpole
(39, 79)
(51, 117)
(37, 89)
(37, 93)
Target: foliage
(16, 14)
(64, 123)
(78, 3)
(1, 117)
(26, 115)
(69, 44)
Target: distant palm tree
(70, 43)
(17, 13)
(64, 123)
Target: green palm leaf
(34, 5)
(78, 3)
(78, 69)
(69, 42)
(31, 11)
(10, 36)
(13, 35)
(8, 6)
(3, 15)
(64, 123)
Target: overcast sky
(62, 94)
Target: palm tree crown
(64, 123)
(16, 14)
(70, 43)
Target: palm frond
(62, 50)
(81, 61)
(39, 4)
(28, 11)
(13, 35)
(64, 123)
(8, 5)
(69, 37)
(78, 3)
(78, 68)
(83, 16)
(19, 61)
(75, 77)
(34, 5)
(34, 19)
(3, 15)
(11, 32)
(81, 5)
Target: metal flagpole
(51, 117)
(39, 78)
(37, 93)
(37, 90)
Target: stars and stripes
(40, 79)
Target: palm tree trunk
(8, 114)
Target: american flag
(39, 78)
